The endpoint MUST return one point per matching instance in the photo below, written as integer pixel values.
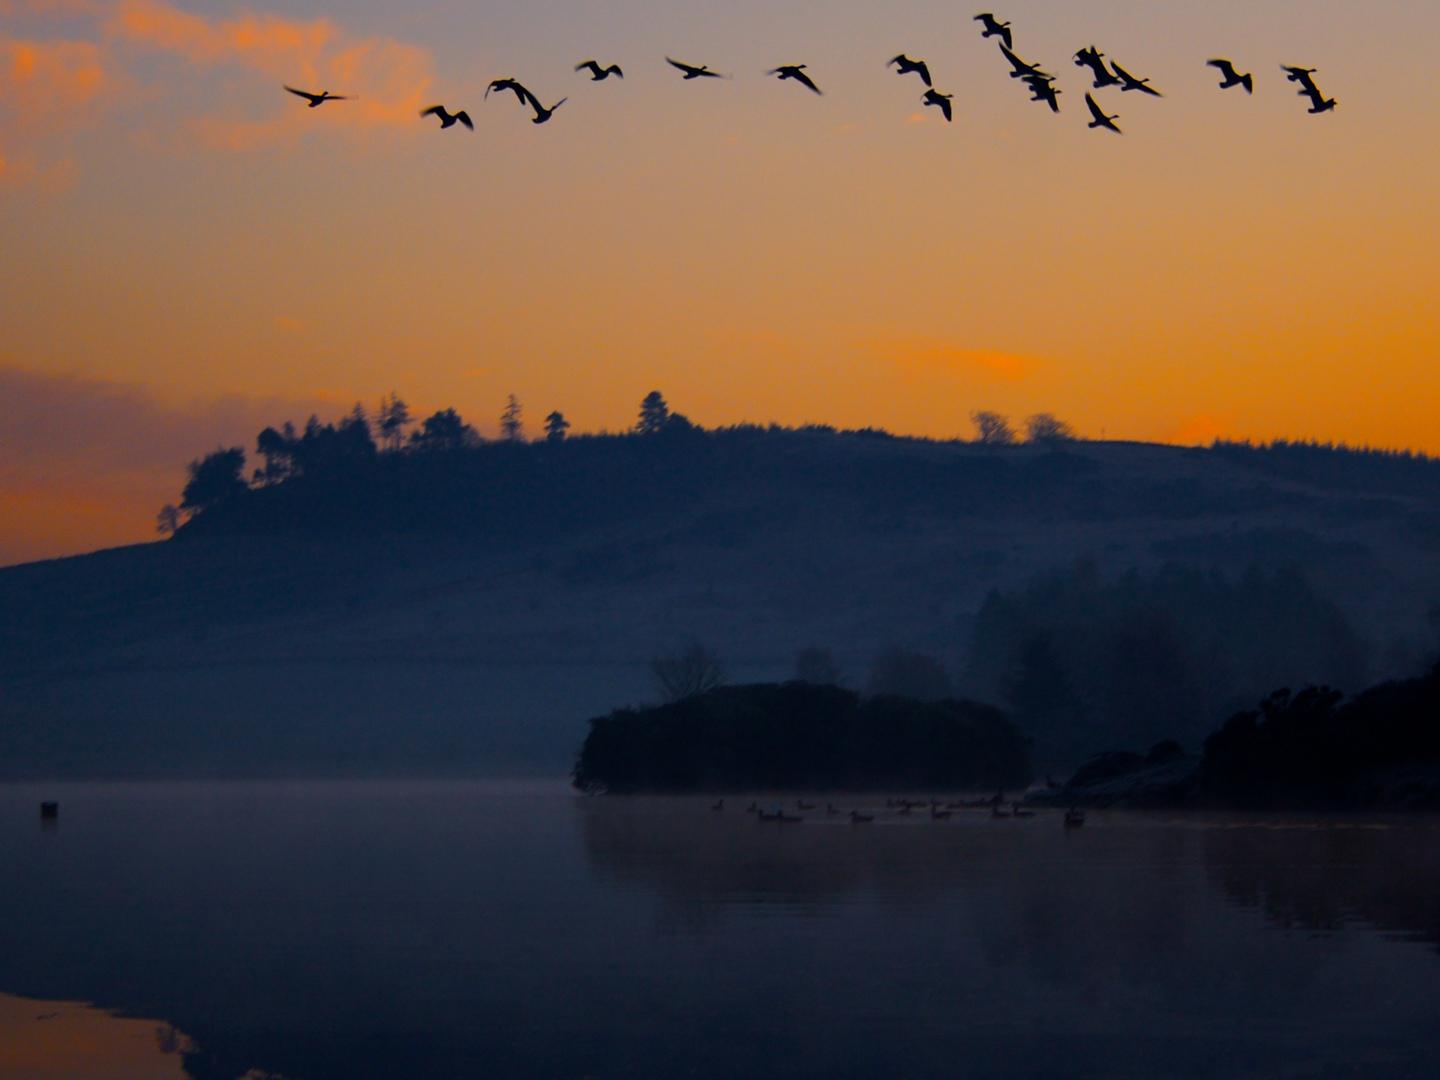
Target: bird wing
(944, 104)
(591, 64)
(301, 93)
(1226, 68)
(616, 69)
(1015, 61)
(923, 69)
(1005, 36)
(687, 68)
(901, 59)
(805, 80)
(1095, 110)
(1129, 79)
(433, 110)
(464, 118)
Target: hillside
(467, 612)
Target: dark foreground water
(499, 929)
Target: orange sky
(190, 252)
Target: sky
(189, 253)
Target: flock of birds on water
(1041, 84)
(900, 808)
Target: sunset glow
(190, 253)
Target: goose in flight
(501, 85)
(1093, 58)
(1044, 90)
(941, 102)
(1022, 69)
(316, 100)
(447, 118)
(904, 66)
(994, 28)
(543, 114)
(1132, 83)
(1232, 77)
(599, 74)
(693, 72)
(796, 72)
(1101, 120)
(1300, 75)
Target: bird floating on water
(904, 66)
(316, 100)
(1132, 83)
(796, 72)
(1101, 120)
(994, 28)
(941, 102)
(1232, 77)
(1094, 59)
(447, 118)
(693, 72)
(598, 73)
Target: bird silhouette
(1132, 83)
(1302, 76)
(994, 28)
(501, 85)
(599, 74)
(796, 72)
(693, 72)
(1093, 59)
(543, 114)
(1319, 103)
(447, 118)
(1101, 120)
(904, 66)
(1232, 77)
(940, 101)
(316, 100)
(1022, 68)
(1042, 89)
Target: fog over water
(513, 929)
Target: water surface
(513, 929)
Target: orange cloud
(922, 357)
(389, 81)
(40, 78)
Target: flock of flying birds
(1041, 84)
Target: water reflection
(357, 930)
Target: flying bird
(693, 72)
(941, 102)
(543, 114)
(447, 118)
(1093, 58)
(599, 74)
(1022, 68)
(1132, 83)
(501, 85)
(316, 100)
(1044, 90)
(1232, 77)
(993, 28)
(796, 72)
(904, 66)
(1300, 75)
(1101, 120)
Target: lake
(513, 929)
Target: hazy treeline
(1087, 663)
(799, 736)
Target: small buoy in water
(49, 810)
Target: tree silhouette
(512, 423)
(992, 429)
(168, 520)
(817, 667)
(1045, 428)
(654, 414)
(556, 427)
(214, 479)
(391, 420)
(898, 673)
(444, 432)
(693, 670)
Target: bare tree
(1046, 428)
(694, 670)
(512, 422)
(168, 520)
(992, 429)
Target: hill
(467, 610)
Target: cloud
(919, 356)
(45, 87)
